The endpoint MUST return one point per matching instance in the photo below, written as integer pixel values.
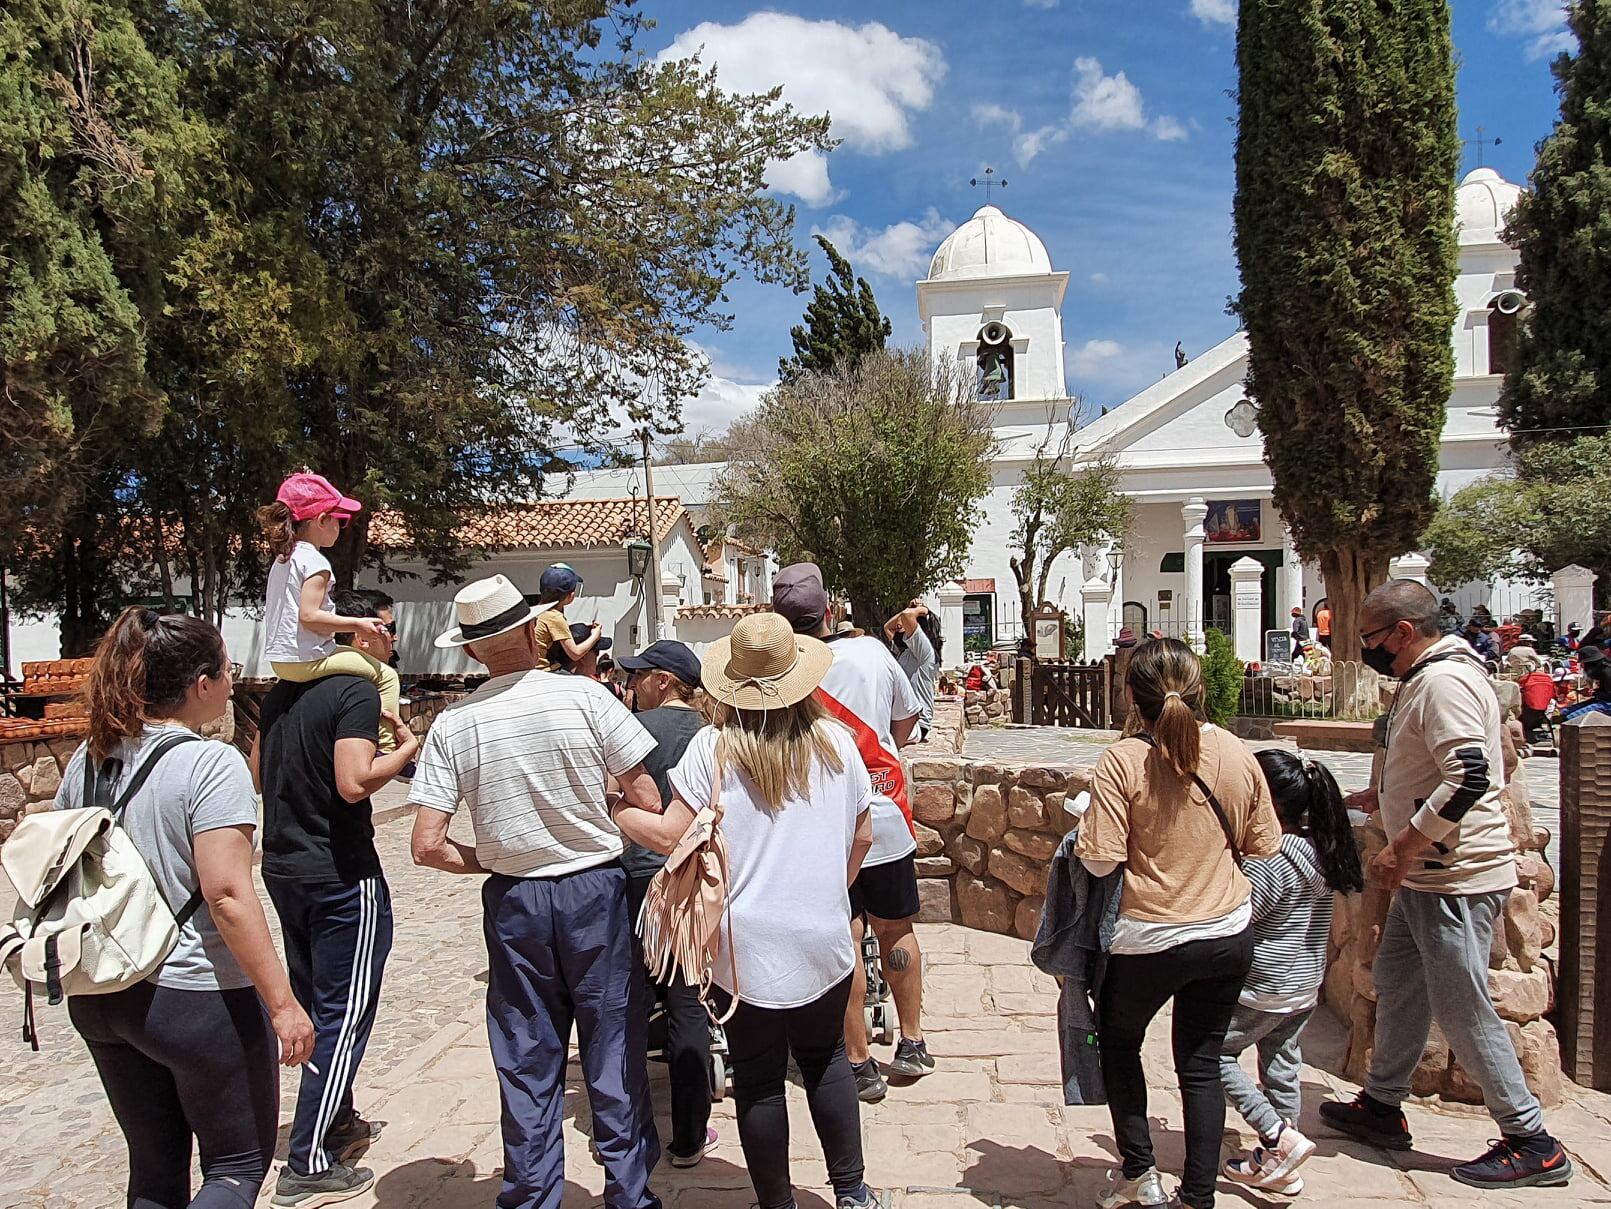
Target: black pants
(183, 1065)
(687, 1046)
(1532, 720)
(1204, 978)
(760, 1041)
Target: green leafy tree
(1559, 380)
(1222, 678)
(874, 471)
(842, 323)
(1344, 222)
(1063, 502)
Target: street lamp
(638, 552)
(1115, 557)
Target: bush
(1222, 679)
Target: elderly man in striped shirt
(529, 754)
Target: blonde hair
(778, 747)
(1166, 684)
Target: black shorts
(886, 891)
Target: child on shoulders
(558, 588)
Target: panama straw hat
(764, 664)
(486, 608)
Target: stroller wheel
(718, 1077)
(880, 1028)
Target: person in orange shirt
(1323, 624)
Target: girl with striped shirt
(1292, 902)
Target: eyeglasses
(388, 628)
(235, 671)
(1392, 625)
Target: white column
(1574, 597)
(670, 602)
(951, 597)
(1247, 609)
(1192, 515)
(1291, 594)
(1410, 566)
(1096, 595)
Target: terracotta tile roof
(573, 524)
(978, 585)
(719, 612)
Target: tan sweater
(1443, 772)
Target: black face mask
(1379, 659)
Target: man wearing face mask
(1451, 865)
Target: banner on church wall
(1233, 521)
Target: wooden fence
(1072, 694)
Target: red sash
(884, 771)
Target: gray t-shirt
(197, 787)
(917, 661)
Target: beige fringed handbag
(686, 906)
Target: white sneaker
(1260, 1168)
(1292, 1150)
(1146, 1189)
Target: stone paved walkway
(988, 1129)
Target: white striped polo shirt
(527, 753)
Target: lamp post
(638, 552)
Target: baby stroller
(880, 1016)
(718, 1046)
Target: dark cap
(799, 597)
(1590, 656)
(579, 633)
(665, 656)
(558, 582)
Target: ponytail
(279, 528)
(1309, 803)
(1166, 685)
(144, 665)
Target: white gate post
(1410, 566)
(1192, 514)
(951, 597)
(1096, 594)
(1574, 597)
(1247, 609)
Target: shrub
(1222, 679)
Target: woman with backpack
(1178, 804)
(793, 795)
(190, 1052)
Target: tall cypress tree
(842, 324)
(1559, 383)
(1346, 155)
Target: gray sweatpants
(1433, 965)
(1276, 1035)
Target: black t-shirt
(672, 728)
(310, 832)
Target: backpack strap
(101, 786)
(1219, 811)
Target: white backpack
(90, 918)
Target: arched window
(994, 375)
(1503, 314)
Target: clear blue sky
(1111, 119)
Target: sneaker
(338, 1183)
(1290, 1152)
(1257, 1169)
(870, 1085)
(1361, 1118)
(911, 1059)
(692, 1160)
(866, 1199)
(1518, 1163)
(343, 1141)
(1146, 1189)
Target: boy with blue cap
(557, 588)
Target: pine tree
(1346, 155)
(842, 324)
(1559, 383)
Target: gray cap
(798, 596)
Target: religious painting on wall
(1232, 521)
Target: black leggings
(760, 1041)
(179, 1065)
(1204, 978)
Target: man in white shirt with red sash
(870, 693)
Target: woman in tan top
(1183, 931)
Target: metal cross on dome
(1243, 419)
(990, 182)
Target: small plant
(1222, 679)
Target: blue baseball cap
(558, 582)
(665, 656)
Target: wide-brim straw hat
(764, 664)
(486, 608)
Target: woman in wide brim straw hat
(794, 796)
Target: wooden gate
(1071, 694)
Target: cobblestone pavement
(988, 1129)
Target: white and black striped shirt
(527, 753)
(1291, 927)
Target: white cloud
(1169, 130)
(1214, 12)
(1032, 142)
(1042, 3)
(868, 77)
(721, 402)
(1088, 360)
(992, 114)
(1099, 279)
(1541, 22)
(1105, 102)
(900, 250)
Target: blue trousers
(337, 938)
(561, 952)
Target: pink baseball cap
(308, 495)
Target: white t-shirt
(867, 691)
(527, 753)
(786, 885)
(284, 639)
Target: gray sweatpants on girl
(1433, 965)
(1278, 1095)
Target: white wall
(954, 311)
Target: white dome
(990, 245)
(1482, 206)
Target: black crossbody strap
(164, 745)
(1219, 811)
